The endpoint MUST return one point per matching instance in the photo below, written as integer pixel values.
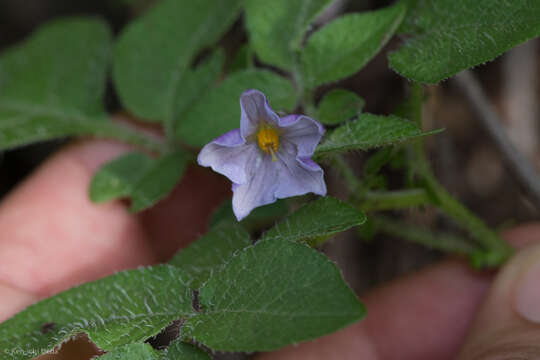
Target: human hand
(53, 238)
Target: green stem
(345, 171)
(436, 240)
(390, 200)
(496, 249)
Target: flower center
(268, 140)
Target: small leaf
(339, 105)
(181, 351)
(159, 180)
(117, 178)
(154, 53)
(273, 294)
(320, 218)
(370, 131)
(136, 175)
(124, 308)
(276, 27)
(133, 352)
(453, 35)
(345, 45)
(52, 85)
(209, 253)
(218, 111)
(261, 216)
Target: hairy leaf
(133, 352)
(339, 105)
(127, 307)
(218, 111)
(208, 253)
(259, 217)
(181, 351)
(136, 175)
(317, 219)
(177, 350)
(196, 82)
(345, 45)
(452, 35)
(52, 85)
(276, 27)
(270, 295)
(370, 131)
(154, 53)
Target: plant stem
(348, 175)
(390, 200)
(496, 249)
(436, 240)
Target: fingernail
(527, 295)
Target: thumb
(508, 323)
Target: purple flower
(268, 158)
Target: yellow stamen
(268, 140)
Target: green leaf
(136, 175)
(176, 351)
(159, 180)
(273, 294)
(345, 45)
(117, 178)
(181, 351)
(261, 216)
(52, 85)
(276, 27)
(132, 352)
(208, 254)
(370, 131)
(154, 53)
(124, 308)
(196, 82)
(317, 219)
(339, 105)
(218, 111)
(452, 35)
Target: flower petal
(229, 155)
(298, 175)
(303, 131)
(260, 188)
(255, 108)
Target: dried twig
(525, 173)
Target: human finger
(53, 237)
(508, 323)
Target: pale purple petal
(303, 131)
(229, 155)
(260, 188)
(255, 109)
(298, 175)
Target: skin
(53, 238)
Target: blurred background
(465, 157)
